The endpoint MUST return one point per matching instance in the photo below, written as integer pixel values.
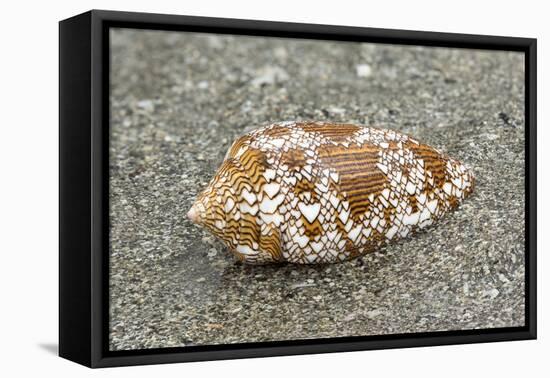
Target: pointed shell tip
(192, 214)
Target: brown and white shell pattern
(314, 192)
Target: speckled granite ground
(179, 100)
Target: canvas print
(272, 189)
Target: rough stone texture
(177, 102)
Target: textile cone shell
(312, 192)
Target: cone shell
(312, 192)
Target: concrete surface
(178, 100)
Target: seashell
(314, 192)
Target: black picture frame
(83, 182)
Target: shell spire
(313, 192)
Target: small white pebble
(492, 294)
(349, 317)
(146, 105)
(280, 53)
(336, 110)
(363, 70)
(374, 313)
